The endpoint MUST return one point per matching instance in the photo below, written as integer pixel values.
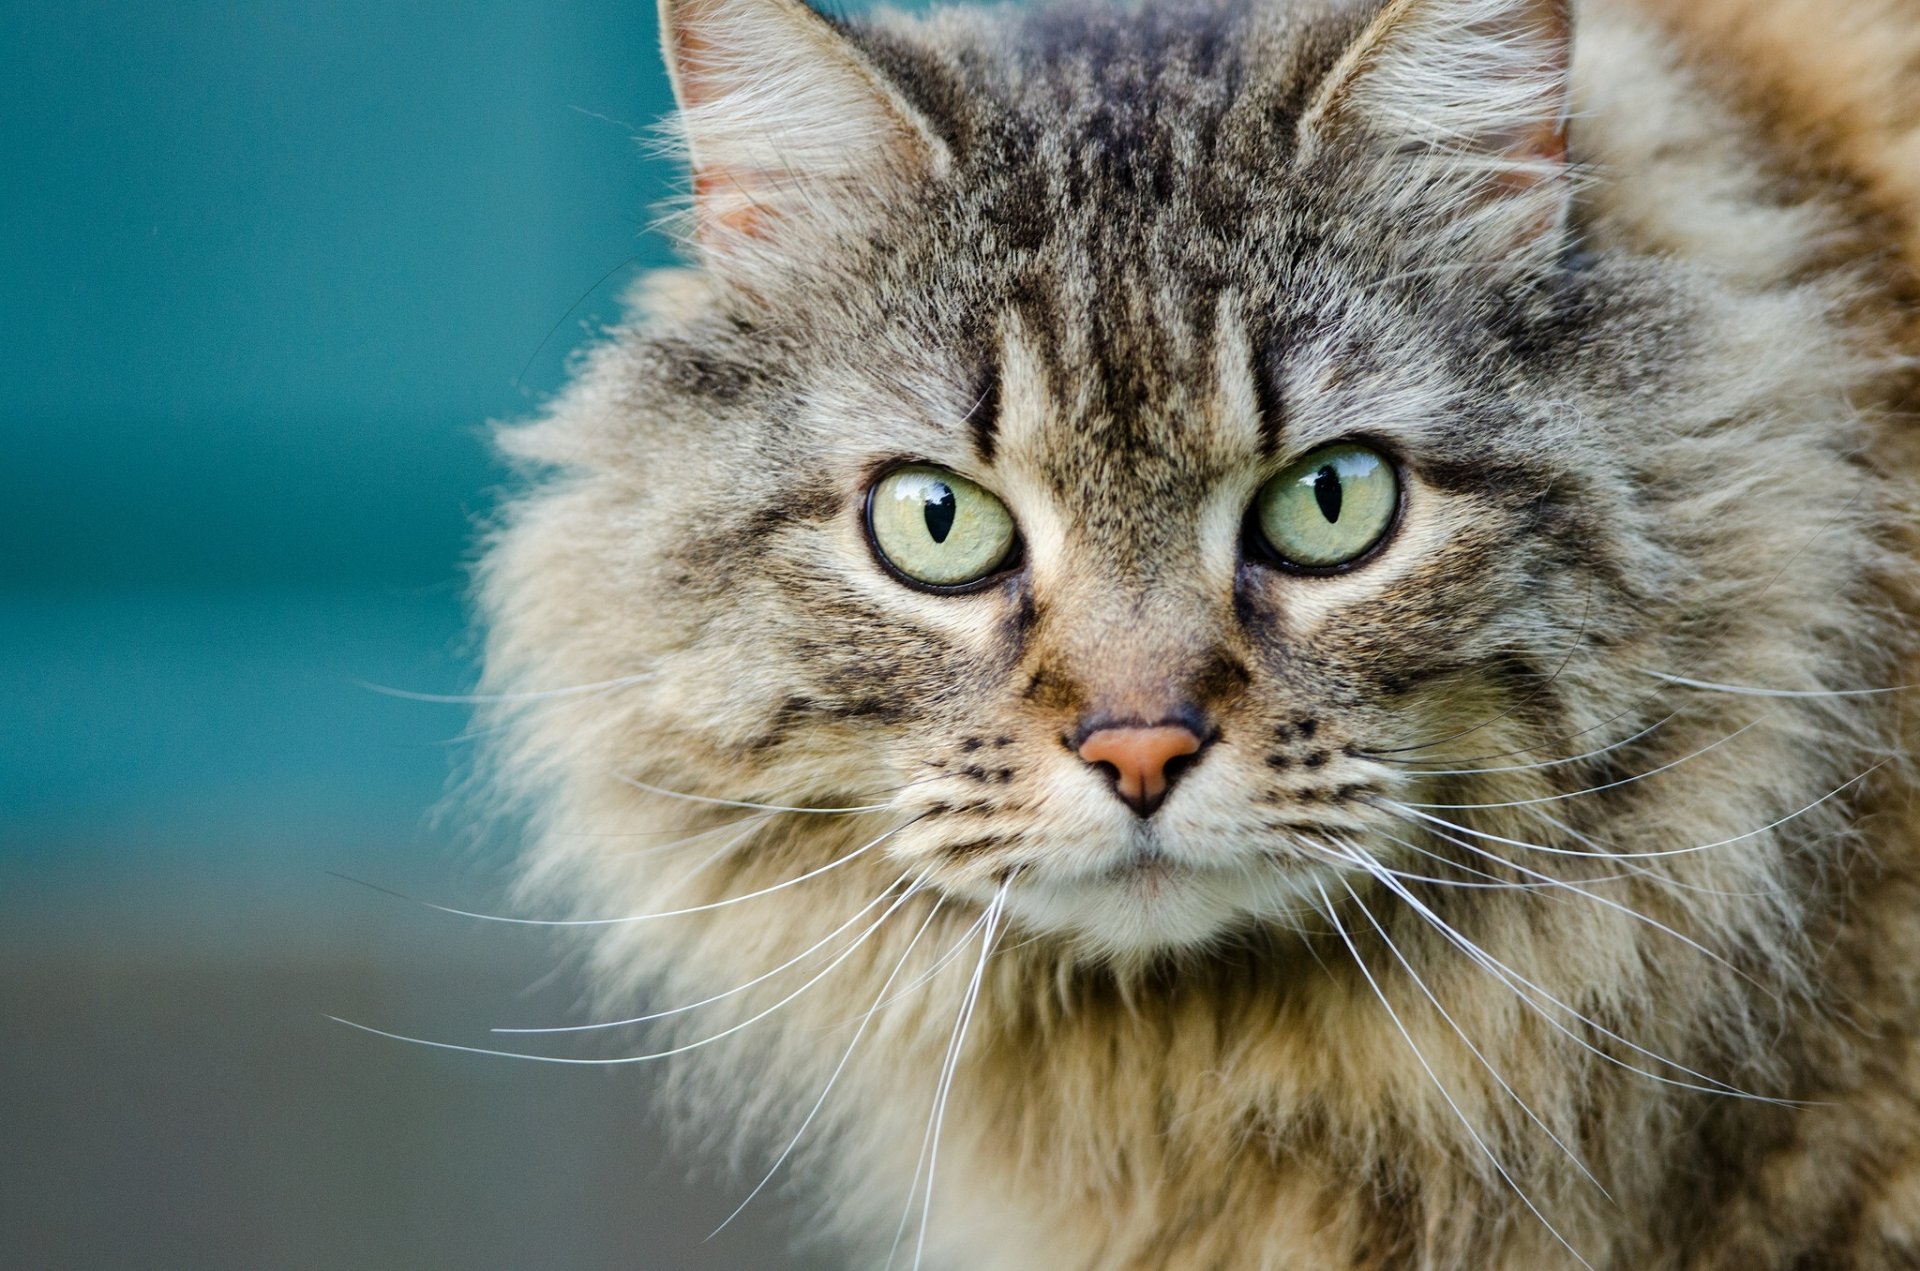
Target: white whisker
(619, 1060)
(836, 863)
(1447, 1015)
(847, 1055)
(1628, 856)
(913, 1186)
(476, 699)
(1544, 764)
(1630, 863)
(764, 976)
(1439, 1085)
(1540, 889)
(1385, 756)
(940, 963)
(1611, 785)
(638, 784)
(751, 822)
(1497, 884)
(1513, 979)
(1744, 690)
(953, 1064)
(1563, 884)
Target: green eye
(937, 528)
(1329, 508)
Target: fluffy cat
(1263, 634)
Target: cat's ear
(786, 123)
(1464, 104)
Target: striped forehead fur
(1498, 909)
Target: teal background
(266, 272)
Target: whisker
(1655, 855)
(1497, 884)
(1492, 1071)
(658, 849)
(717, 997)
(913, 1186)
(836, 863)
(1514, 980)
(689, 876)
(1630, 709)
(638, 784)
(1640, 702)
(619, 1060)
(598, 693)
(1637, 870)
(1536, 888)
(1439, 1085)
(1529, 767)
(987, 941)
(1611, 785)
(1563, 884)
(1747, 691)
(664, 830)
(479, 699)
(819, 1103)
(561, 321)
(940, 964)
(758, 818)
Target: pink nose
(1142, 760)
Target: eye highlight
(1328, 509)
(938, 529)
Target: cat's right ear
(1463, 106)
(790, 128)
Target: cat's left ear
(790, 127)
(1463, 105)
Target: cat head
(1168, 461)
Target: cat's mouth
(1148, 870)
(1152, 898)
(1130, 885)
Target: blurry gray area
(171, 1110)
(184, 776)
(266, 271)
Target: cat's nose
(1143, 760)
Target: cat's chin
(1152, 905)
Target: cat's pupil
(1326, 492)
(940, 512)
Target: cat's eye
(939, 529)
(1329, 509)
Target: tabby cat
(1258, 633)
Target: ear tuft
(1468, 99)
(787, 123)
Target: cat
(1257, 634)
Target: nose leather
(1141, 760)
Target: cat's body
(1655, 430)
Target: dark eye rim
(1010, 564)
(1261, 552)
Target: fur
(1548, 892)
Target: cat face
(1159, 469)
(1111, 324)
(1127, 582)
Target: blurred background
(266, 271)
